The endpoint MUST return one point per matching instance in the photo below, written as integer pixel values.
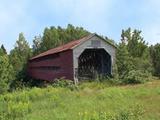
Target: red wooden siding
(52, 66)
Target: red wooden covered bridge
(75, 60)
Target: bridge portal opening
(93, 62)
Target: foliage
(155, 56)
(6, 72)
(36, 44)
(20, 54)
(18, 58)
(142, 64)
(53, 37)
(3, 50)
(137, 76)
(133, 56)
(64, 83)
(123, 60)
(135, 44)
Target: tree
(1, 52)
(6, 71)
(135, 44)
(124, 60)
(20, 54)
(18, 58)
(49, 40)
(36, 44)
(3, 49)
(155, 55)
(132, 53)
(53, 37)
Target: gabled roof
(68, 46)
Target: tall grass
(90, 101)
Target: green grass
(91, 101)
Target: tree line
(134, 55)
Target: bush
(62, 83)
(136, 76)
(65, 84)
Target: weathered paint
(64, 61)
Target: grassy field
(90, 101)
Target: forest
(137, 62)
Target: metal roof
(67, 46)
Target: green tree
(6, 71)
(18, 58)
(20, 54)
(50, 39)
(53, 37)
(155, 56)
(124, 60)
(3, 49)
(1, 52)
(133, 53)
(36, 45)
(136, 45)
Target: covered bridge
(75, 60)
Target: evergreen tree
(133, 53)
(3, 49)
(18, 58)
(155, 55)
(1, 52)
(6, 71)
(20, 54)
(135, 44)
(124, 60)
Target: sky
(105, 17)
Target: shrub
(65, 84)
(136, 76)
(62, 82)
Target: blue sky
(105, 17)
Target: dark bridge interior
(93, 62)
